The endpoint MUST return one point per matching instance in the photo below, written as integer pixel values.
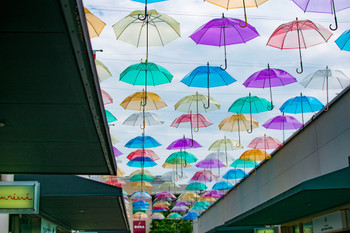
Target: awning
(77, 203)
(52, 119)
(310, 197)
(237, 229)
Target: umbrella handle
(335, 18)
(300, 57)
(207, 106)
(245, 17)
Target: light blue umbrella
(141, 142)
(148, 1)
(207, 77)
(222, 185)
(110, 117)
(343, 41)
(191, 215)
(234, 174)
(196, 186)
(301, 104)
(141, 162)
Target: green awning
(310, 197)
(80, 204)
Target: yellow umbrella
(102, 71)
(95, 25)
(189, 196)
(120, 172)
(143, 184)
(162, 203)
(230, 4)
(173, 166)
(140, 215)
(139, 171)
(134, 102)
(255, 155)
(237, 123)
(208, 199)
(114, 139)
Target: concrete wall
(322, 147)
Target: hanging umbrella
(184, 155)
(165, 196)
(213, 193)
(225, 145)
(325, 6)
(142, 142)
(229, 4)
(204, 176)
(193, 121)
(196, 186)
(143, 152)
(120, 172)
(116, 152)
(343, 40)
(210, 163)
(146, 74)
(282, 123)
(182, 203)
(189, 196)
(173, 176)
(183, 164)
(113, 139)
(140, 178)
(115, 182)
(326, 79)
(224, 31)
(157, 216)
(125, 195)
(191, 215)
(140, 215)
(140, 195)
(162, 205)
(141, 162)
(265, 143)
(140, 185)
(255, 155)
(238, 163)
(268, 78)
(107, 99)
(168, 185)
(195, 104)
(250, 104)
(301, 104)
(234, 174)
(183, 143)
(141, 171)
(179, 209)
(207, 199)
(110, 117)
(299, 34)
(136, 119)
(140, 208)
(160, 209)
(134, 102)
(237, 123)
(103, 72)
(201, 205)
(95, 25)
(222, 185)
(174, 216)
(161, 202)
(207, 77)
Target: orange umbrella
(255, 155)
(95, 25)
(134, 102)
(140, 215)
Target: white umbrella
(173, 176)
(136, 119)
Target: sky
(182, 55)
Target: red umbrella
(146, 153)
(115, 182)
(265, 142)
(299, 34)
(107, 99)
(205, 175)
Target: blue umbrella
(234, 174)
(141, 142)
(148, 1)
(343, 41)
(110, 117)
(141, 162)
(140, 203)
(222, 185)
(191, 215)
(206, 77)
(301, 104)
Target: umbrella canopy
(324, 6)
(255, 155)
(141, 171)
(174, 216)
(343, 40)
(140, 195)
(195, 103)
(168, 185)
(191, 215)
(103, 72)
(238, 163)
(189, 196)
(182, 203)
(116, 152)
(299, 34)
(196, 186)
(107, 99)
(157, 216)
(110, 117)
(137, 119)
(207, 77)
(183, 143)
(283, 123)
(113, 139)
(140, 203)
(225, 145)
(213, 193)
(207, 199)
(178, 164)
(224, 31)
(179, 209)
(210, 163)
(134, 101)
(183, 155)
(143, 152)
(139, 178)
(192, 121)
(141, 162)
(201, 205)
(222, 185)
(160, 209)
(204, 176)
(173, 176)
(233, 174)
(115, 182)
(95, 25)
(140, 208)
(265, 142)
(120, 172)
(140, 185)
(165, 196)
(218, 155)
(161, 203)
(142, 142)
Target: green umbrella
(201, 205)
(181, 156)
(196, 186)
(140, 178)
(250, 104)
(110, 117)
(174, 216)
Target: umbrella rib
(131, 22)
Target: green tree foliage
(171, 226)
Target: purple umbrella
(282, 123)
(214, 194)
(179, 209)
(224, 31)
(269, 78)
(324, 6)
(210, 163)
(116, 152)
(183, 143)
(182, 203)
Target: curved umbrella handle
(146, 16)
(300, 57)
(206, 107)
(335, 18)
(225, 65)
(245, 17)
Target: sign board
(19, 197)
(139, 226)
(331, 222)
(48, 227)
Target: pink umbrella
(205, 175)
(146, 153)
(107, 99)
(165, 196)
(265, 142)
(214, 194)
(283, 123)
(210, 163)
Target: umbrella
(225, 145)
(234, 174)
(147, 74)
(299, 34)
(196, 186)
(224, 31)
(210, 163)
(136, 119)
(157, 216)
(174, 216)
(229, 4)
(237, 123)
(116, 152)
(140, 215)
(140, 203)
(326, 6)
(191, 215)
(134, 101)
(141, 171)
(222, 185)
(141, 162)
(165, 196)
(238, 163)
(95, 25)
(161, 203)
(113, 139)
(282, 123)
(160, 209)
(326, 79)
(115, 182)
(265, 143)
(142, 142)
(343, 40)
(207, 77)
(182, 155)
(179, 209)
(195, 103)
(143, 152)
(301, 104)
(255, 155)
(189, 196)
(125, 195)
(120, 172)
(204, 176)
(269, 77)
(140, 208)
(140, 185)
(213, 193)
(168, 185)
(207, 199)
(183, 143)
(102, 71)
(110, 117)
(195, 121)
(201, 205)
(183, 164)
(107, 99)
(182, 203)
(140, 195)
(173, 176)
(140, 178)
(250, 104)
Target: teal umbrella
(110, 117)
(250, 104)
(174, 216)
(188, 157)
(201, 205)
(141, 178)
(196, 186)
(238, 163)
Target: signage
(139, 226)
(48, 227)
(331, 222)
(19, 197)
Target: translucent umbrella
(220, 156)
(166, 186)
(120, 172)
(140, 178)
(195, 104)
(255, 155)
(140, 195)
(110, 117)
(282, 123)
(183, 143)
(225, 145)
(343, 41)
(143, 152)
(222, 185)
(238, 163)
(103, 72)
(107, 99)
(182, 203)
(116, 152)
(210, 163)
(189, 196)
(179, 209)
(191, 215)
(265, 142)
(141, 142)
(95, 25)
(200, 205)
(173, 176)
(204, 176)
(196, 186)
(157, 216)
(134, 102)
(140, 185)
(136, 119)
(174, 216)
(207, 199)
(165, 196)
(192, 121)
(140, 171)
(213, 193)
(141, 162)
(234, 174)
